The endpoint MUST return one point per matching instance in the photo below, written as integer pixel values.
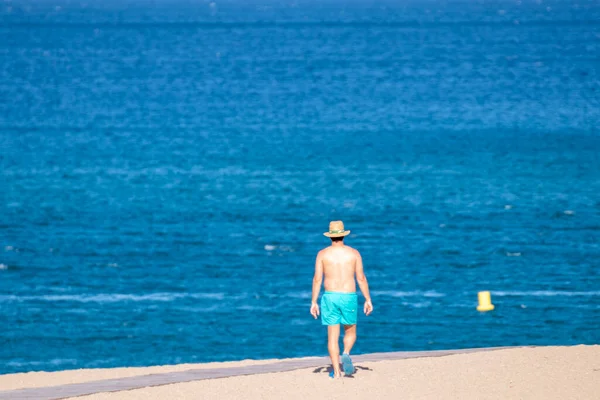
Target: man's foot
(347, 364)
(333, 374)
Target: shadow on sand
(328, 369)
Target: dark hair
(337, 239)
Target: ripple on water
(545, 293)
(112, 297)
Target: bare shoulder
(355, 252)
(322, 252)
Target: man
(342, 267)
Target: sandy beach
(513, 373)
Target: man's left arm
(316, 287)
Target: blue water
(167, 171)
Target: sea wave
(419, 304)
(173, 296)
(380, 293)
(113, 297)
(544, 293)
(53, 362)
(395, 293)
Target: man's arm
(363, 284)
(316, 287)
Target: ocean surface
(167, 169)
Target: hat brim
(334, 235)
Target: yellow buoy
(485, 301)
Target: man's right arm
(363, 284)
(316, 286)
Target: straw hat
(336, 229)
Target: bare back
(339, 268)
(342, 268)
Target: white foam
(394, 293)
(113, 297)
(544, 293)
(199, 309)
(214, 296)
(172, 296)
(383, 293)
(508, 254)
(56, 361)
(420, 304)
(299, 295)
(569, 212)
(3, 266)
(270, 247)
(300, 322)
(247, 307)
(77, 311)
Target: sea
(168, 168)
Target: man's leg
(349, 337)
(333, 333)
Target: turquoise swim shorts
(339, 308)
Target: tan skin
(342, 267)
